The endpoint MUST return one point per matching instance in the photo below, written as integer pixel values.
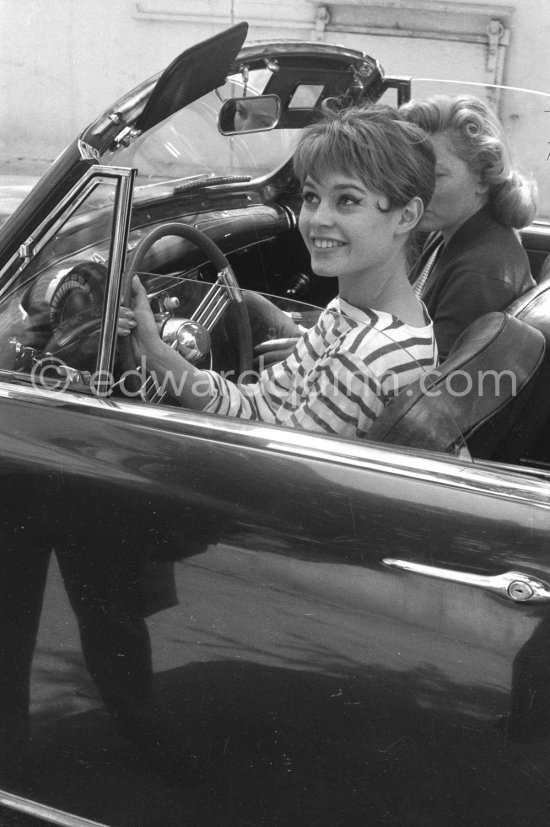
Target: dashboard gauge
(75, 300)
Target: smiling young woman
(366, 177)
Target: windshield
(188, 144)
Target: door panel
(295, 663)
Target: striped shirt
(339, 376)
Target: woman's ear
(481, 188)
(410, 215)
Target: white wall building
(64, 61)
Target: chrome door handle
(514, 585)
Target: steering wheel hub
(191, 339)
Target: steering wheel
(223, 295)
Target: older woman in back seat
(472, 261)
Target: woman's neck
(386, 289)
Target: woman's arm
(194, 388)
(272, 351)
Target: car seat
(529, 441)
(479, 392)
(544, 271)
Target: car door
(299, 662)
(334, 642)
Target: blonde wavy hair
(477, 138)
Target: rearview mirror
(250, 114)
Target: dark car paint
(316, 685)
(313, 524)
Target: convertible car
(357, 629)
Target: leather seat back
(544, 272)
(534, 307)
(529, 439)
(477, 392)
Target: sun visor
(191, 75)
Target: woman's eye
(309, 197)
(348, 200)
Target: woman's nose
(322, 215)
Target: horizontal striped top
(339, 376)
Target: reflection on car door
(297, 663)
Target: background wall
(65, 61)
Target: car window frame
(96, 175)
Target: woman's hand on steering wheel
(224, 294)
(272, 351)
(138, 321)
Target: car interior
(259, 236)
(507, 426)
(506, 423)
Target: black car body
(361, 629)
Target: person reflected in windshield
(473, 261)
(366, 177)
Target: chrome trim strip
(538, 227)
(485, 478)
(44, 812)
(291, 216)
(117, 260)
(513, 585)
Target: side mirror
(250, 114)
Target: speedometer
(75, 300)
